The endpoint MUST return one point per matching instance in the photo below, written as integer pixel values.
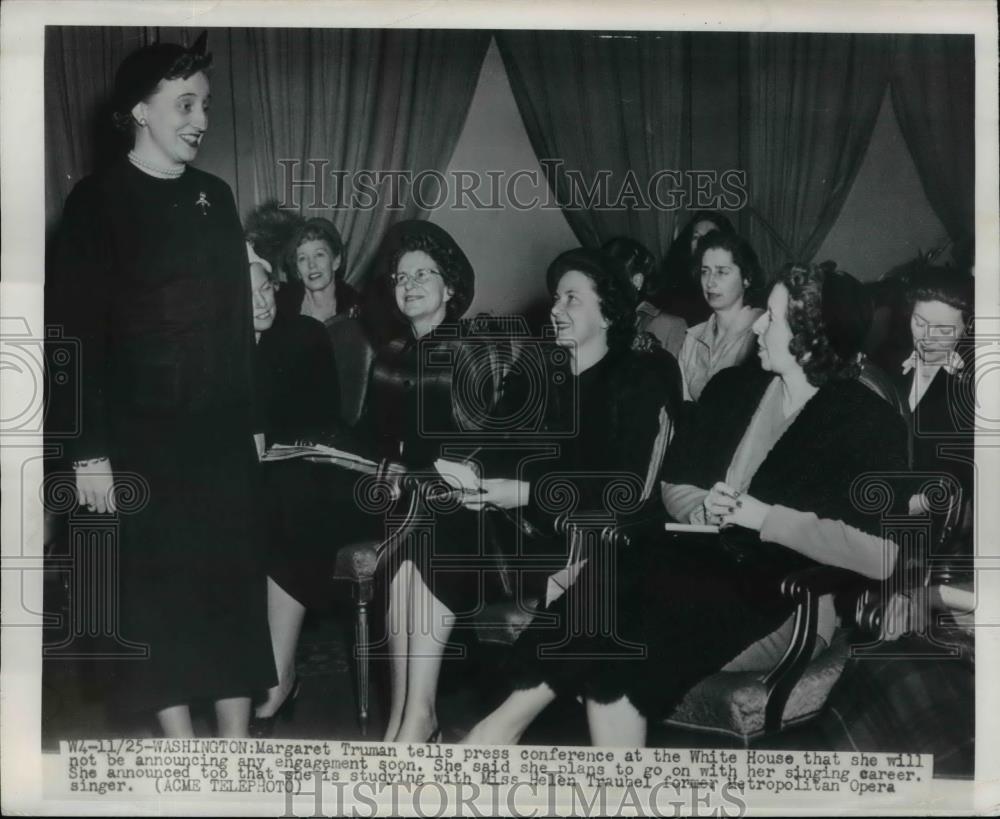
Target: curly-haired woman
(771, 459)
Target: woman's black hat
(141, 71)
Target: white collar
(952, 366)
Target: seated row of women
(148, 275)
(768, 452)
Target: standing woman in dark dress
(150, 274)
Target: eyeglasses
(421, 276)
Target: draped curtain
(808, 105)
(361, 100)
(933, 94)
(605, 102)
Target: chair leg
(362, 651)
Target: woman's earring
(142, 123)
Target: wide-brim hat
(141, 71)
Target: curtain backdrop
(360, 100)
(933, 94)
(808, 107)
(605, 102)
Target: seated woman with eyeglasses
(411, 412)
(771, 458)
(605, 408)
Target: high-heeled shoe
(263, 727)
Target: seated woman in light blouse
(733, 285)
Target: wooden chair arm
(805, 588)
(818, 581)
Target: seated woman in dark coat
(411, 413)
(620, 406)
(640, 264)
(936, 382)
(772, 459)
(313, 258)
(619, 440)
(297, 396)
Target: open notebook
(318, 452)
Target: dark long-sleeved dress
(298, 390)
(151, 276)
(412, 413)
(942, 429)
(688, 609)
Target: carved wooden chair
(749, 706)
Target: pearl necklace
(169, 174)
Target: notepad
(691, 528)
(458, 475)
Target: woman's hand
(919, 505)
(906, 613)
(720, 502)
(503, 492)
(748, 513)
(95, 486)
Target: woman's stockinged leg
(431, 623)
(176, 721)
(616, 724)
(284, 617)
(233, 716)
(511, 719)
(397, 625)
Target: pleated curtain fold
(808, 106)
(611, 105)
(934, 95)
(358, 100)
